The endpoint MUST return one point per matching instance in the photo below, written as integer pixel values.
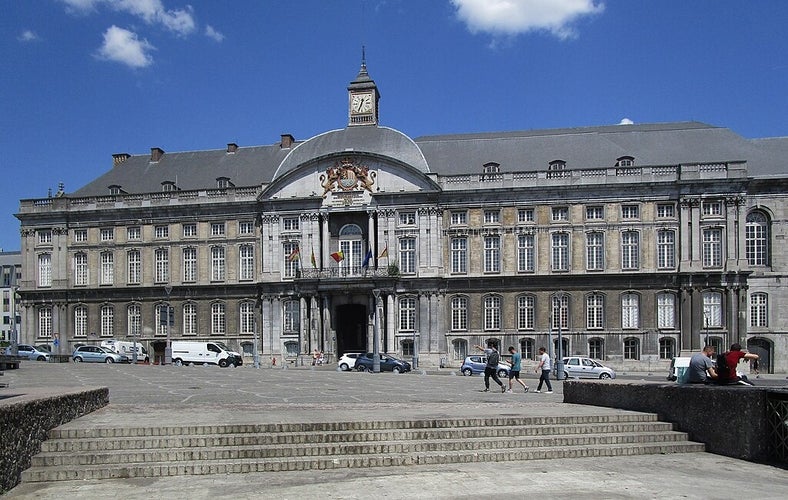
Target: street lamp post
(559, 362)
(376, 333)
(168, 349)
(256, 356)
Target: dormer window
(115, 189)
(556, 168)
(224, 183)
(491, 171)
(625, 161)
(168, 186)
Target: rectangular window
(80, 269)
(559, 313)
(189, 319)
(666, 249)
(666, 311)
(492, 312)
(492, 254)
(459, 255)
(630, 250)
(630, 212)
(459, 313)
(712, 309)
(45, 270)
(107, 268)
(189, 230)
(107, 233)
(526, 306)
(526, 251)
(666, 210)
(134, 271)
(246, 262)
(595, 251)
(596, 212)
(492, 216)
(247, 318)
(80, 235)
(107, 321)
(459, 218)
(407, 218)
(44, 236)
(595, 311)
(217, 264)
(407, 255)
(712, 247)
(218, 229)
(245, 228)
(134, 320)
(290, 224)
(162, 258)
(712, 208)
(218, 319)
(630, 311)
(407, 314)
(162, 232)
(189, 265)
(525, 215)
(45, 322)
(560, 214)
(559, 251)
(292, 259)
(81, 321)
(133, 233)
(596, 348)
(759, 311)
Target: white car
(583, 367)
(348, 361)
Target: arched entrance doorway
(763, 348)
(351, 327)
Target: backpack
(722, 368)
(493, 359)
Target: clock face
(361, 103)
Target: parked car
(583, 367)
(348, 361)
(30, 352)
(96, 354)
(388, 363)
(475, 364)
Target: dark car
(388, 363)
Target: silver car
(96, 354)
(30, 352)
(583, 367)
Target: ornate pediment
(346, 175)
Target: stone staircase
(104, 453)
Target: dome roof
(381, 141)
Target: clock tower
(363, 98)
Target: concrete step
(100, 453)
(91, 444)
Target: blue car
(387, 363)
(475, 364)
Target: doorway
(763, 349)
(351, 327)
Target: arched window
(667, 348)
(596, 348)
(190, 318)
(291, 349)
(759, 309)
(666, 311)
(492, 312)
(630, 310)
(107, 320)
(757, 246)
(595, 311)
(246, 318)
(218, 319)
(631, 348)
(526, 306)
(80, 321)
(527, 348)
(134, 320)
(407, 347)
(459, 348)
(459, 313)
(559, 311)
(712, 309)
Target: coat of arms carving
(346, 175)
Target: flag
(314, 262)
(295, 255)
(384, 253)
(367, 258)
(338, 256)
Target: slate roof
(585, 147)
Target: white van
(215, 353)
(127, 348)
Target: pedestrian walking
(491, 368)
(514, 373)
(545, 365)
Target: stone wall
(730, 420)
(25, 420)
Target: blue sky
(83, 79)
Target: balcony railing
(352, 272)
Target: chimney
(287, 141)
(156, 154)
(232, 147)
(119, 158)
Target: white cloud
(179, 21)
(125, 47)
(212, 33)
(514, 17)
(28, 36)
(626, 121)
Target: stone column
(391, 325)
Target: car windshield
(104, 349)
(222, 346)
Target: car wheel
(396, 369)
(344, 367)
(223, 363)
(566, 375)
(604, 375)
(361, 368)
(467, 372)
(109, 361)
(41, 358)
(177, 362)
(77, 360)
(502, 373)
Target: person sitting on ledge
(701, 367)
(728, 362)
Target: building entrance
(763, 349)
(351, 328)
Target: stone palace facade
(636, 243)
